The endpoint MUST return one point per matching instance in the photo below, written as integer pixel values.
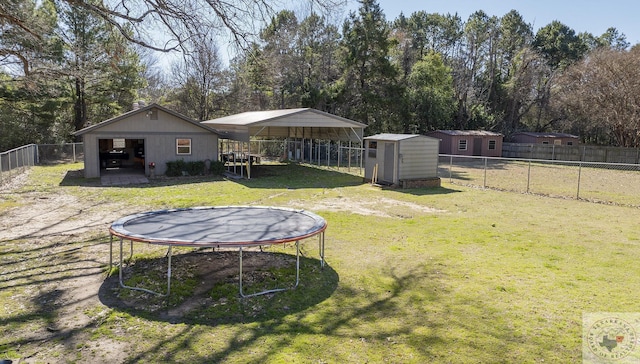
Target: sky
(593, 16)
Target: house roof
(546, 135)
(396, 137)
(139, 111)
(467, 132)
(301, 122)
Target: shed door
(477, 146)
(389, 162)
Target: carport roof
(299, 123)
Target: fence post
(450, 167)
(484, 183)
(529, 176)
(579, 176)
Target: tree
(104, 70)
(515, 35)
(475, 71)
(526, 89)
(283, 57)
(424, 32)
(368, 90)
(430, 94)
(600, 97)
(559, 44)
(27, 36)
(177, 21)
(318, 43)
(613, 39)
(199, 79)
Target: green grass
(494, 277)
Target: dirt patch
(383, 207)
(69, 287)
(209, 271)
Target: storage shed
(405, 160)
(544, 138)
(469, 142)
(151, 135)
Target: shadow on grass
(272, 176)
(205, 291)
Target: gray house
(405, 160)
(144, 140)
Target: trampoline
(218, 227)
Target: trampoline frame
(153, 241)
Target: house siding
(449, 143)
(159, 134)
(544, 138)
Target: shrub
(217, 167)
(182, 168)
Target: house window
(119, 143)
(462, 144)
(569, 143)
(557, 142)
(545, 142)
(183, 146)
(492, 144)
(373, 149)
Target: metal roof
(395, 137)
(467, 132)
(142, 110)
(298, 123)
(546, 135)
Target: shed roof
(396, 137)
(546, 135)
(305, 122)
(139, 111)
(468, 132)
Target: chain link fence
(15, 161)
(615, 183)
(341, 156)
(60, 153)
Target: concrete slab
(118, 178)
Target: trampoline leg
(240, 278)
(110, 255)
(276, 289)
(321, 248)
(121, 268)
(169, 253)
(297, 264)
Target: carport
(307, 133)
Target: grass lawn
(447, 275)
